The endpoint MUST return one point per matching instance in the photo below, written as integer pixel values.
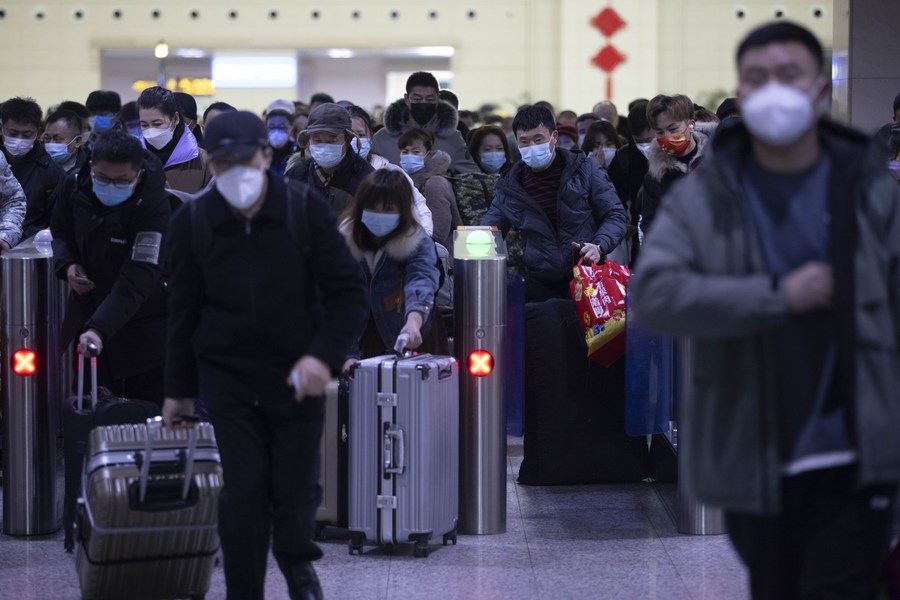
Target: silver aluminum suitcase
(403, 451)
(147, 520)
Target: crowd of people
(245, 260)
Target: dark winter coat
(588, 210)
(186, 164)
(341, 188)
(443, 126)
(128, 306)
(243, 310)
(664, 169)
(41, 179)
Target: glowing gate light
(481, 363)
(24, 362)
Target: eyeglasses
(121, 184)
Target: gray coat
(12, 205)
(443, 126)
(701, 275)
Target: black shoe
(303, 583)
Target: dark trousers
(539, 291)
(270, 459)
(829, 542)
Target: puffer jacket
(439, 196)
(12, 205)
(42, 181)
(405, 278)
(664, 169)
(186, 164)
(588, 210)
(702, 275)
(443, 126)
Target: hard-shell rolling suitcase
(404, 451)
(147, 523)
(332, 512)
(79, 418)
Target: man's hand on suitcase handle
(308, 377)
(90, 338)
(175, 411)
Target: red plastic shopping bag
(599, 295)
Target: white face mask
(644, 148)
(608, 155)
(158, 138)
(241, 185)
(779, 114)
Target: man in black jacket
(108, 228)
(40, 176)
(264, 296)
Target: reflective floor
(600, 541)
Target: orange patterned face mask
(675, 144)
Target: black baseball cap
(237, 133)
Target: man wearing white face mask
(265, 301)
(780, 258)
(333, 167)
(40, 176)
(561, 202)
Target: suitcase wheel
(70, 546)
(420, 550)
(450, 538)
(356, 543)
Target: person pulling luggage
(265, 299)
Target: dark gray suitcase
(147, 522)
(403, 451)
(332, 512)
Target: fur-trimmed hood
(443, 124)
(438, 164)
(659, 162)
(398, 248)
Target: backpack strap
(298, 229)
(201, 232)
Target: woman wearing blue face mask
(428, 170)
(399, 263)
(278, 126)
(331, 165)
(109, 227)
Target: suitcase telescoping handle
(154, 429)
(394, 451)
(92, 352)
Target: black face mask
(422, 112)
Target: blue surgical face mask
(110, 195)
(327, 155)
(58, 152)
(361, 146)
(277, 137)
(537, 156)
(581, 139)
(380, 224)
(412, 163)
(100, 123)
(492, 161)
(136, 132)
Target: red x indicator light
(24, 362)
(481, 363)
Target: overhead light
(340, 53)
(190, 53)
(161, 50)
(441, 51)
